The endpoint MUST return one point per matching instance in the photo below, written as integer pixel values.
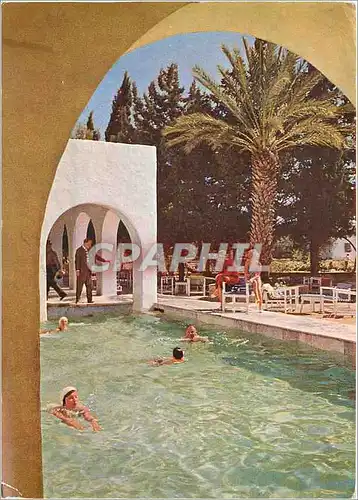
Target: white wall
(337, 252)
(109, 176)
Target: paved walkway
(54, 301)
(294, 322)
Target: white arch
(95, 178)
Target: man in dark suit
(53, 266)
(83, 272)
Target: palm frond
(243, 99)
(312, 107)
(223, 96)
(192, 130)
(267, 93)
(312, 132)
(303, 85)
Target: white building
(341, 249)
(105, 183)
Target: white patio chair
(198, 285)
(167, 285)
(235, 293)
(345, 302)
(284, 298)
(342, 301)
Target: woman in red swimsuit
(230, 277)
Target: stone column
(79, 232)
(107, 280)
(144, 283)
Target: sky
(144, 64)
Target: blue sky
(144, 64)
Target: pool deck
(318, 332)
(101, 304)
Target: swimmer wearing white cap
(71, 407)
(62, 326)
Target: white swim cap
(62, 319)
(65, 391)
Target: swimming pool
(256, 419)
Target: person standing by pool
(83, 272)
(62, 326)
(71, 408)
(52, 268)
(178, 357)
(226, 276)
(191, 335)
(253, 276)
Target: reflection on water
(242, 417)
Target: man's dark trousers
(84, 280)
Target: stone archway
(122, 187)
(46, 48)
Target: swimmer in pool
(191, 335)
(62, 326)
(71, 408)
(178, 357)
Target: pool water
(238, 419)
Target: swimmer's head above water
(63, 323)
(191, 335)
(191, 331)
(178, 357)
(69, 397)
(178, 354)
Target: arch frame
(46, 48)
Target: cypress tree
(90, 124)
(119, 127)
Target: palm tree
(268, 110)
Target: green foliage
(88, 131)
(195, 191)
(284, 248)
(90, 124)
(120, 128)
(283, 266)
(79, 132)
(317, 199)
(271, 112)
(269, 109)
(289, 266)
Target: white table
(312, 299)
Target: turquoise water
(256, 419)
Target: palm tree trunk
(265, 169)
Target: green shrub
(291, 266)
